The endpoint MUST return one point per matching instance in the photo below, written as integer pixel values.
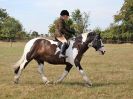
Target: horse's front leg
(65, 73)
(83, 74)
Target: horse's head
(97, 44)
(96, 41)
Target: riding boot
(63, 50)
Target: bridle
(91, 44)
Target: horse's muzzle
(102, 50)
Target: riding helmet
(64, 12)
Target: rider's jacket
(61, 28)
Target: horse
(46, 50)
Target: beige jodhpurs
(62, 39)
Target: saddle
(60, 43)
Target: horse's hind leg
(18, 71)
(41, 71)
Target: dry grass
(111, 74)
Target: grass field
(111, 74)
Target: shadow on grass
(108, 84)
(82, 84)
(94, 84)
(73, 83)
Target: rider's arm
(72, 31)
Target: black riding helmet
(64, 12)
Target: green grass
(111, 74)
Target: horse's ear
(99, 35)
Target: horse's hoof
(47, 82)
(57, 82)
(88, 85)
(15, 82)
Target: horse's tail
(23, 57)
(18, 63)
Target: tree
(34, 34)
(80, 21)
(10, 27)
(51, 30)
(3, 15)
(98, 30)
(125, 18)
(122, 28)
(21, 35)
(85, 20)
(69, 24)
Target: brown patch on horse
(46, 48)
(43, 50)
(39, 48)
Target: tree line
(12, 29)
(78, 22)
(121, 30)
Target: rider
(62, 31)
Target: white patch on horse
(53, 42)
(26, 50)
(102, 48)
(57, 50)
(84, 37)
(41, 71)
(85, 76)
(71, 53)
(56, 43)
(29, 45)
(101, 42)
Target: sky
(37, 15)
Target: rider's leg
(63, 47)
(63, 50)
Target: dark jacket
(62, 29)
